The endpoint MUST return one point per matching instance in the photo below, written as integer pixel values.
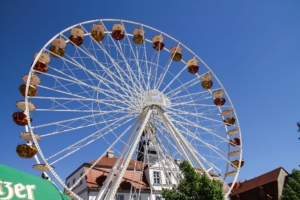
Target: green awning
(15, 184)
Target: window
(168, 181)
(179, 175)
(68, 185)
(270, 187)
(261, 192)
(119, 197)
(81, 179)
(135, 197)
(157, 198)
(156, 178)
(73, 181)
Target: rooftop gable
(259, 181)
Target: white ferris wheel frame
(175, 133)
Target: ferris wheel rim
(123, 21)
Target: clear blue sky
(253, 47)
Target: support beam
(114, 169)
(115, 184)
(183, 140)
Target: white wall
(79, 187)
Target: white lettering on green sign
(21, 191)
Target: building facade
(140, 180)
(268, 186)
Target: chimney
(110, 154)
(177, 161)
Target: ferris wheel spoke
(179, 112)
(101, 79)
(87, 123)
(120, 72)
(78, 118)
(87, 53)
(97, 77)
(119, 69)
(110, 103)
(213, 148)
(195, 115)
(141, 77)
(194, 96)
(100, 90)
(182, 87)
(210, 131)
(97, 160)
(166, 68)
(92, 138)
(90, 124)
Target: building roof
(107, 162)
(259, 181)
(98, 174)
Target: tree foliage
(291, 190)
(194, 186)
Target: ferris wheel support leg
(186, 144)
(163, 157)
(122, 169)
(173, 135)
(113, 170)
(115, 184)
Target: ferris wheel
(114, 85)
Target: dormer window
(156, 177)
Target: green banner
(15, 184)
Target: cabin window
(156, 178)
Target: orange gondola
(236, 163)
(235, 142)
(118, 32)
(220, 101)
(176, 53)
(32, 91)
(20, 118)
(58, 48)
(193, 67)
(138, 36)
(76, 36)
(206, 81)
(158, 42)
(229, 121)
(41, 65)
(26, 150)
(97, 32)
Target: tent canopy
(15, 185)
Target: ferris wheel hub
(155, 97)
